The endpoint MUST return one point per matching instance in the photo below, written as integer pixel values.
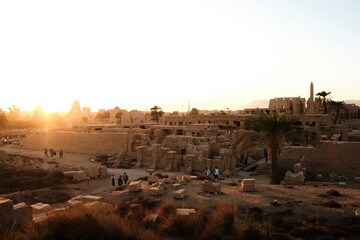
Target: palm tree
(271, 130)
(335, 107)
(156, 113)
(324, 96)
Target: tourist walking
(51, 152)
(46, 152)
(61, 152)
(216, 173)
(120, 181)
(54, 154)
(125, 178)
(266, 154)
(207, 172)
(113, 180)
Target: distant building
(295, 105)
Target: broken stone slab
(6, 205)
(156, 191)
(185, 211)
(151, 218)
(73, 202)
(211, 187)
(182, 182)
(158, 184)
(185, 178)
(248, 181)
(89, 198)
(40, 207)
(297, 167)
(168, 180)
(294, 178)
(176, 186)
(103, 171)
(342, 183)
(248, 185)
(80, 175)
(135, 186)
(193, 177)
(70, 174)
(153, 179)
(180, 194)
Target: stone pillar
(227, 155)
(172, 161)
(140, 156)
(155, 154)
(189, 160)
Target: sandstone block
(151, 218)
(156, 191)
(248, 181)
(153, 179)
(70, 174)
(180, 194)
(135, 186)
(40, 207)
(172, 176)
(248, 187)
(294, 178)
(297, 167)
(357, 179)
(103, 171)
(176, 186)
(91, 198)
(193, 177)
(22, 212)
(91, 204)
(6, 205)
(80, 175)
(168, 180)
(319, 177)
(211, 187)
(92, 171)
(185, 178)
(185, 211)
(73, 202)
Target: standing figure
(120, 181)
(125, 178)
(61, 152)
(266, 154)
(207, 172)
(113, 180)
(216, 173)
(46, 152)
(51, 152)
(54, 154)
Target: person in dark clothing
(266, 154)
(61, 153)
(113, 180)
(120, 181)
(125, 177)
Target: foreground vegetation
(225, 221)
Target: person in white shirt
(207, 172)
(216, 173)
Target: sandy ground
(302, 200)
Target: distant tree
(271, 130)
(3, 120)
(118, 116)
(155, 113)
(14, 112)
(325, 96)
(194, 112)
(335, 107)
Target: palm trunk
(273, 171)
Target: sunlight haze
(213, 54)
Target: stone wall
(94, 143)
(341, 158)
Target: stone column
(155, 154)
(171, 161)
(189, 160)
(140, 156)
(227, 156)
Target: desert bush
(332, 204)
(333, 192)
(166, 210)
(250, 233)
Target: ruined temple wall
(341, 158)
(94, 143)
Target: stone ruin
(187, 153)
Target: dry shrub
(224, 216)
(315, 219)
(333, 192)
(332, 204)
(254, 214)
(250, 233)
(166, 210)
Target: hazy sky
(135, 54)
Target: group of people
(7, 140)
(121, 179)
(53, 153)
(215, 174)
